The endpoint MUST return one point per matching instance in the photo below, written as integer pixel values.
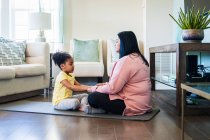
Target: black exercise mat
(47, 108)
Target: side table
(181, 50)
(201, 89)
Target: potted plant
(193, 23)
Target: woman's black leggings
(100, 100)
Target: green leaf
(176, 21)
(192, 18)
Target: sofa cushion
(11, 52)
(27, 70)
(88, 69)
(7, 72)
(86, 51)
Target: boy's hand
(92, 88)
(85, 87)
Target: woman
(128, 91)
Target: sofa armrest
(109, 53)
(109, 57)
(38, 53)
(71, 49)
(37, 49)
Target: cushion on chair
(88, 69)
(86, 51)
(11, 52)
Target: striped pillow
(12, 53)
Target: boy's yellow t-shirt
(61, 92)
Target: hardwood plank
(164, 126)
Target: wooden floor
(165, 126)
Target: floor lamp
(40, 21)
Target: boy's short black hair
(60, 58)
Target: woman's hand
(100, 84)
(92, 88)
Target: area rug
(47, 108)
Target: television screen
(192, 64)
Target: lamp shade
(39, 21)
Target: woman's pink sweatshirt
(129, 81)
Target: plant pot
(193, 35)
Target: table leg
(182, 116)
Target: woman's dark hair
(60, 58)
(129, 45)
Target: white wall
(206, 35)
(159, 27)
(101, 19)
(177, 31)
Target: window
(19, 19)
